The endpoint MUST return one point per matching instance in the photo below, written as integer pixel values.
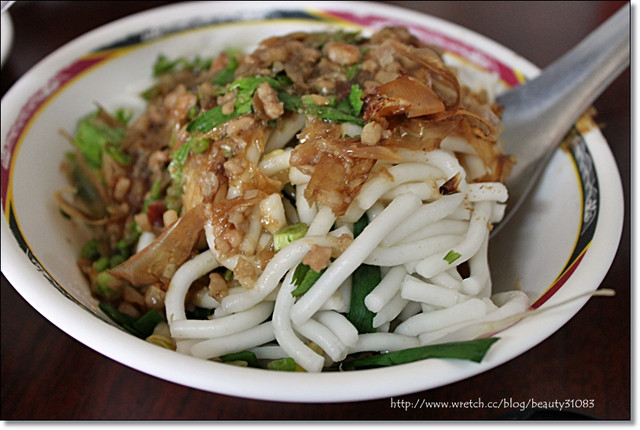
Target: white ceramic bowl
(560, 244)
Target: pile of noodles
(421, 164)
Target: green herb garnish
(364, 279)
(472, 350)
(303, 278)
(94, 136)
(451, 256)
(142, 327)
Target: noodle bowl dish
(300, 197)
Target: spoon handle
(540, 112)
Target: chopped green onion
(227, 275)
(192, 112)
(243, 356)
(284, 364)
(355, 99)
(200, 145)
(473, 350)
(156, 189)
(178, 158)
(116, 259)
(126, 244)
(91, 250)
(101, 264)
(288, 234)
(103, 287)
(451, 256)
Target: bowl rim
(130, 351)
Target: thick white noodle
(291, 344)
(479, 270)
(407, 252)
(440, 318)
(420, 189)
(375, 210)
(478, 227)
(497, 213)
(202, 299)
(237, 342)
(494, 191)
(508, 304)
(390, 311)
(384, 342)
(286, 130)
(474, 166)
(218, 327)
(145, 240)
(322, 222)
(322, 336)
(296, 177)
(184, 346)
(339, 325)
(290, 212)
(186, 274)
(445, 161)
(219, 312)
(379, 184)
(448, 280)
(306, 212)
(456, 143)
(339, 231)
(269, 352)
(229, 263)
(426, 214)
(275, 162)
(412, 308)
(340, 300)
(385, 290)
(419, 291)
(352, 257)
(272, 214)
(251, 237)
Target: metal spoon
(5, 5)
(539, 113)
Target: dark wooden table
(48, 375)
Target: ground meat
(318, 258)
(268, 98)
